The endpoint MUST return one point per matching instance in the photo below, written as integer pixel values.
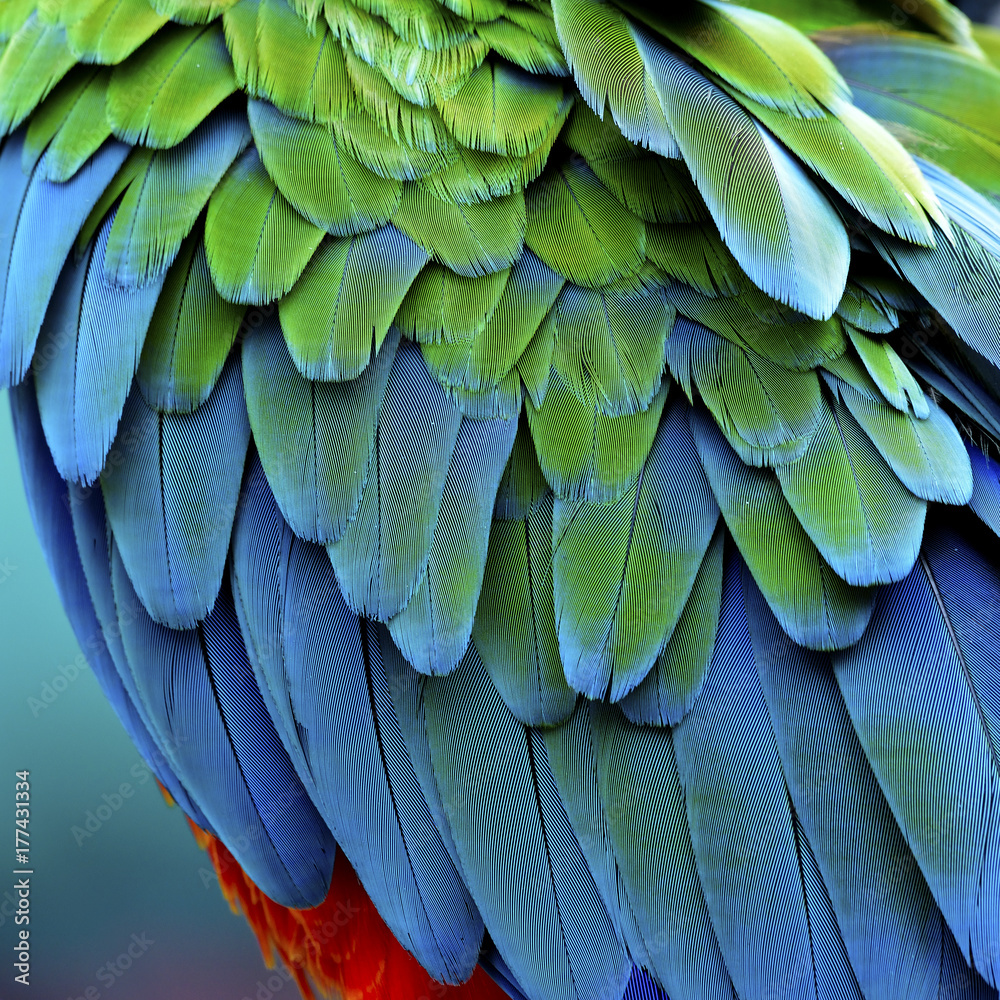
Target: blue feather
(923, 694)
(50, 218)
(748, 847)
(315, 439)
(985, 487)
(958, 277)
(616, 779)
(170, 485)
(890, 924)
(14, 183)
(51, 502)
(382, 557)
(87, 354)
(198, 689)
(520, 857)
(641, 987)
(433, 630)
(321, 666)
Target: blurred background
(111, 870)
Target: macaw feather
(111, 30)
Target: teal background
(140, 871)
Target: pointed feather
(622, 572)
(433, 630)
(257, 244)
(320, 179)
(921, 691)
(316, 440)
(785, 234)
(171, 484)
(891, 375)
(162, 92)
(342, 308)
(164, 201)
(751, 855)
(676, 679)
(695, 255)
(654, 188)
(578, 228)
(199, 691)
(815, 607)
(88, 352)
(321, 667)
(382, 557)
(189, 335)
(50, 216)
(558, 939)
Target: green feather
(192, 11)
(162, 92)
(815, 607)
(612, 74)
(503, 110)
(864, 521)
(860, 160)
(33, 61)
(585, 454)
(404, 120)
(422, 22)
(189, 336)
(522, 484)
(609, 342)
(12, 15)
(344, 305)
(927, 455)
(444, 306)
(481, 359)
(111, 30)
(434, 629)
(786, 235)
(890, 374)
(767, 412)
(785, 337)
(535, 53)
(276, 57)
(859, 308)
(320, 179)
(501, 401)
(938, 101)
(580, 229)
(161, 205)
(257, 244)
(135, 165)
(368, 143)
(623, 571)
(672, 686)
(695, 255)
(69, 125)
(761, 56)
(655, 189)
(470, 239)
(477, 10)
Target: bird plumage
(549, 451)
